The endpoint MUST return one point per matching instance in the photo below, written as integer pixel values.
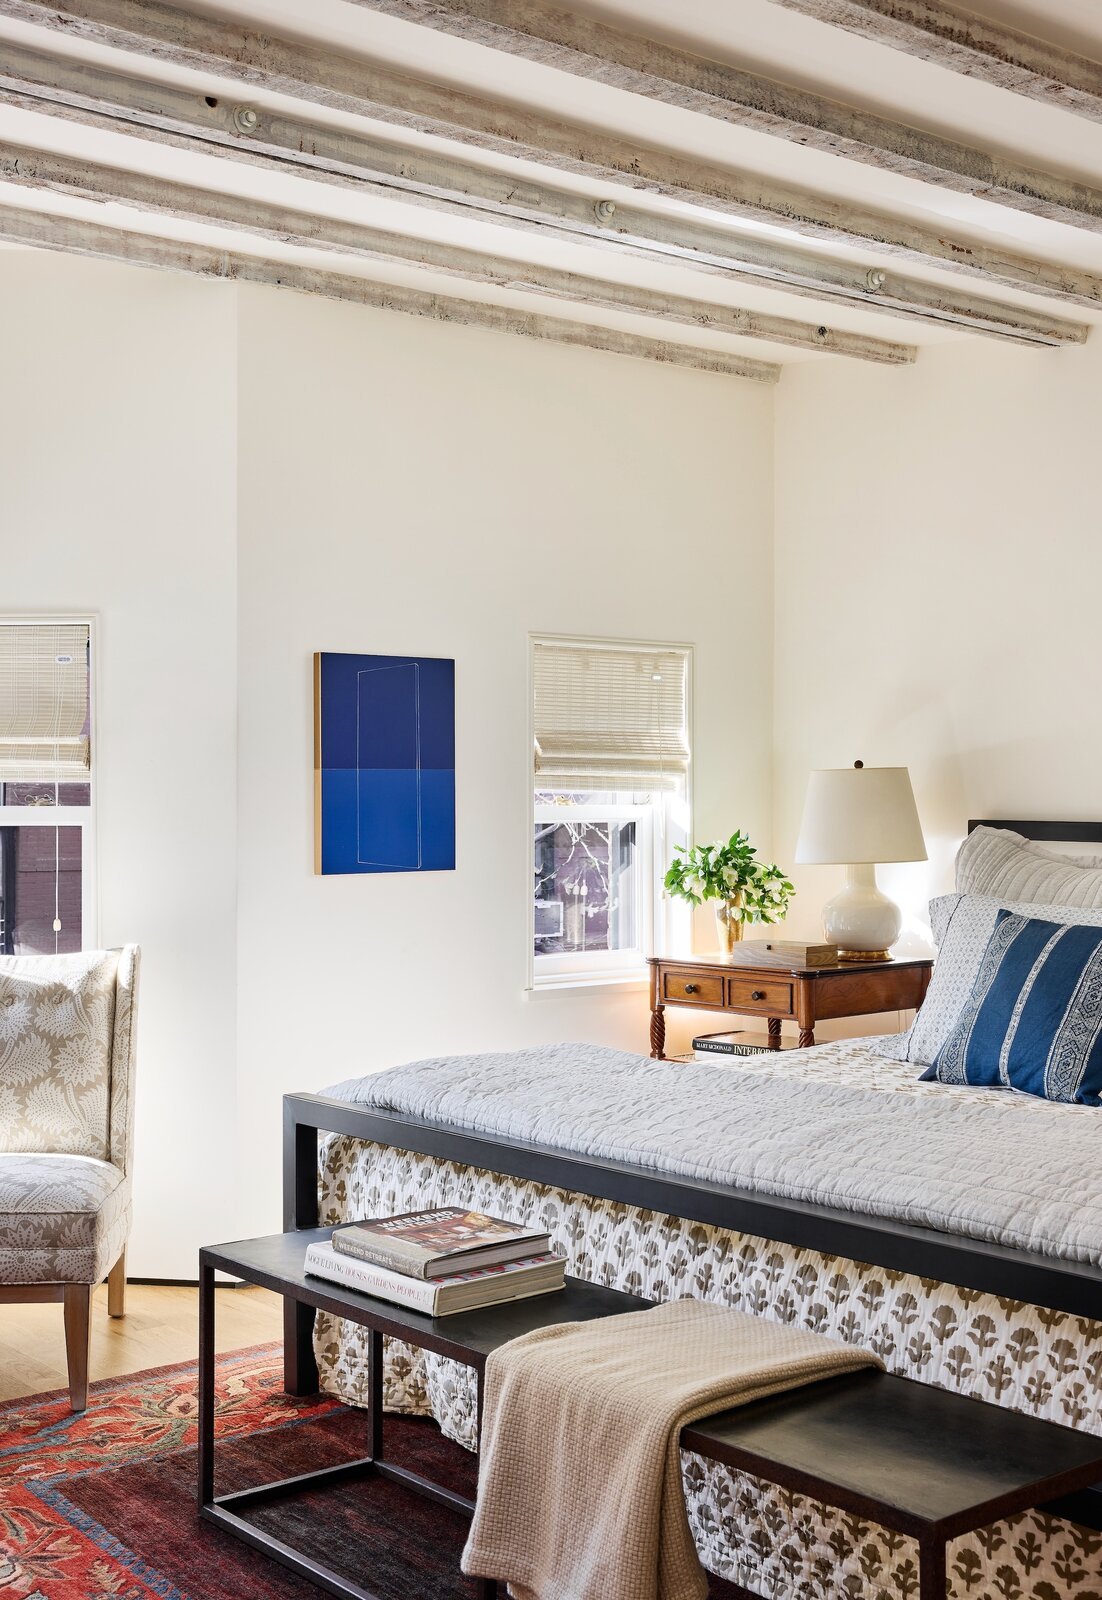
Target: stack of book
(441, 1261)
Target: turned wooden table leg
(805, 1011)
(774, 1026)
(658, 1032)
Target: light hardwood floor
(161, 1326)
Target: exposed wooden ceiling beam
(36, 169)
(962, 42)
(587, 48)
(306, 72)
(98, 96)
(76, 236)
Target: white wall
(233, 478)
(426, 489)
(117, 432)
(939, 566)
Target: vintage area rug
(102, 1506)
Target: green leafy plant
(755, 891)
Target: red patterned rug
(102, 1506)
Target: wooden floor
(161, 1326)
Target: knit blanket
(579, 1488)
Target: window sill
(614, 983)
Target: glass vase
(728, 924)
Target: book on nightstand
(440, 1297)
(709, 1045)
(438, 1242)
(784, 953)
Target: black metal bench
(918, 1460)
(914, 1459)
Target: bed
(991, 1286)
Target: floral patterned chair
(66, 1135)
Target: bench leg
(206, 1384)
(932, 1576)
(487, 1587)
(300, 1372)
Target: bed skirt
(779, 1545)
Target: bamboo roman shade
(44, 703)
(610, 718)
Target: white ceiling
(755, 34)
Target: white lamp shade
(860, 814)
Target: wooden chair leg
(78, 1338)
(116, 1288)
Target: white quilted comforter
(984, 1164)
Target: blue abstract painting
(384, 763)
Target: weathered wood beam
(587, 48)
(75, 236)
(56, 174)
(974, 46)
(215, 48)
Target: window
(46, 810)
(611, 799)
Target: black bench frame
(1073, 1287)
(915, 1459)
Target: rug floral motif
(102, 1506)
(49, 1549)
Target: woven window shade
(44, 703)
(610, 718)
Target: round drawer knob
(691, 988)
(757, 994)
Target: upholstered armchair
(66, 1135)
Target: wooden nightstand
(806, 994)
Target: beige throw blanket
(579, 1488)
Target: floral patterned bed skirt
(779, 1545)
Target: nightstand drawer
(692, 988)
(760, 994)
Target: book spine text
(354, 1274)
(413, 1264)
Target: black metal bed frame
(896, 1246)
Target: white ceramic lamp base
(861, 920)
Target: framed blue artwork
(384, 764)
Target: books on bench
(440, 1261)
(440, 1297)
(439, 1242)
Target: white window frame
(82, 817)
(604, 963)
(667, 820)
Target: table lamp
(860, 815)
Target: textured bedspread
(984, 1164)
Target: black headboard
(1053, 832)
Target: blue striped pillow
(1034, 1018)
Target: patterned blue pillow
(1034, 1018)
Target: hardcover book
(443, 1297)
(734, 1044)
(432, 1244)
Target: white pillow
(962, 926)
(998, 862)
